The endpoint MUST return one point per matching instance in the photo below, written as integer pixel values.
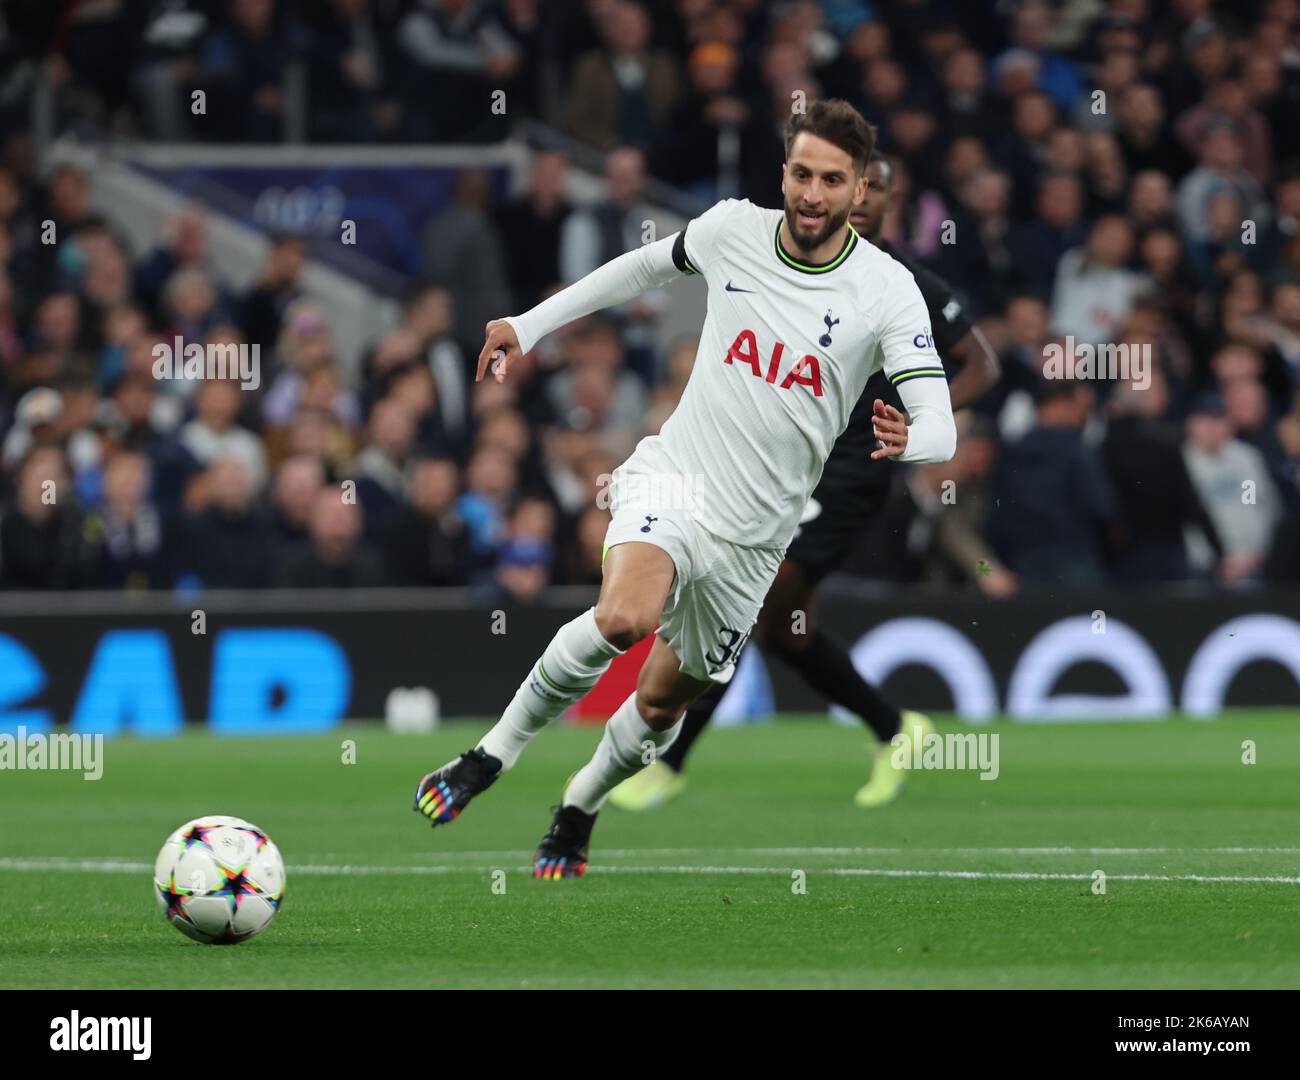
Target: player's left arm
(914, 369)
(979, 368)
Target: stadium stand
(1121, 172)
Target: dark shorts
(852, 491)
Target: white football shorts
(719, 587)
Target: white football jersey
(784, 354)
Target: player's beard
(830, 225)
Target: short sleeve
(695, 243)
(906, 335)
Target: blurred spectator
(1226, 100)
(429, 319)
(594, 392)
(43, 544)
(1220, 171)
(35, 425)
(1105, 173)
(1093, 290)
(700, 146)
(531, 228)
(229, 536)
(960, 552)
(241, 69)
(277, 286)
(1144, 135)
(1246, 405)
(303, 353)
(464, 256)
(429, 543)
(380, 466)
(1153, 490)
(1278, 327)
(335, 556)
(183, 245)
(1021, 354)
(1150, 203)
(1030, 31)
(456, 53)
(1022, 151)
(619, 94)
(297, 481)
(215, 431)
(1112, 78)
(170, 38)
(966, 102)
(584, 557)
(1037, 245)
(524, 563)
(132, 529)
(190, 311)
(1053, 505)
(348, 64)
(490, 481)
(1232, 479)
(980, 254)
(592, 237)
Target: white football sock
(572, 664)
(622, 753)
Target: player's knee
(623, 625)
(659, 713)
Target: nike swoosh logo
(732, 288)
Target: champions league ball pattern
(219, 880)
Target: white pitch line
(122, 866)
(974, 875)
(1028, 851)
(890, 851)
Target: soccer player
(801, 313)
(852, 490)
(850, 493)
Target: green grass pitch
(960, 883)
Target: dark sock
(826, 666)
(698, 714)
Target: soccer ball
(219, 880)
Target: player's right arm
(620, 279)
(914, 369)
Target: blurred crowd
(1096, 172)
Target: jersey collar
(850, 242)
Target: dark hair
(1046, 390)
(840, 124)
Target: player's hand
(890, 428)
(500, 347)
(998, 583)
